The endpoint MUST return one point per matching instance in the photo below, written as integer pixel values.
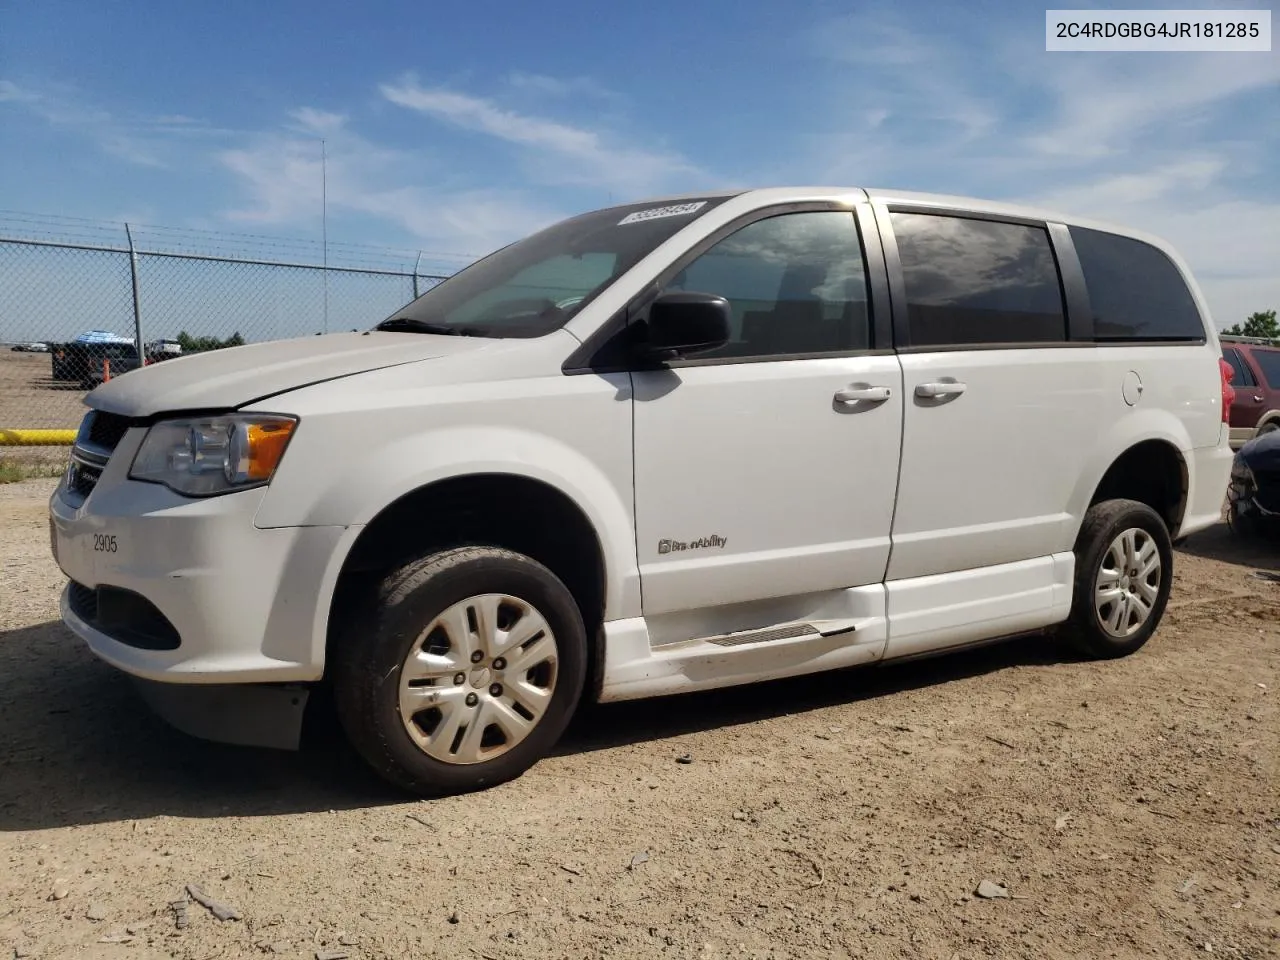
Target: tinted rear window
(1268, 362)
(1135, 291)
(978, 281)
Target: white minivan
(655, 448)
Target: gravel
(840, 815)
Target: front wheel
(1124, 569)
(1241, 524)
(463, 672)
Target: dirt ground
(31, 399)
(1130, 809)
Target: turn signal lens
(254, 448)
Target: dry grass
(16, 468)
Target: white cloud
(1102, 106)
(282, 172)
(1146, 156)
(559, 86)
(426, 196)
(1172, 144)
(889, 72)
(476, 220)
(139, 140)
(318, 121)
(10, 92)
(1122, 191)
(1231, 244)
(580, 155)
(130, 149)
(478, 114)
(439, 202)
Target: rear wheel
(462, 672)
(1124, 569)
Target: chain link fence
(77, 309)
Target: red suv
(1255, 366)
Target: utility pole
(139, 346)
(324, 228)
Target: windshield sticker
(675, 210)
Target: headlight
(201, 456)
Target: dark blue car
(1254, 493)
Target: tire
(1105, 630)
(1242, 525)
(415, 723)
(1267, 428)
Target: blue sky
(455, 128)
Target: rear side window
(1268, 362)
(978, 281)
(1243, 375)
(1135, 291)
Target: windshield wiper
(426, 326)
(417, 326)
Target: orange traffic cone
(106, 369)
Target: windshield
(535, 285)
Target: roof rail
(1237, 338)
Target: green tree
(1261, 324)
(192, 344)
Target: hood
(1262, 452)
(232, 377)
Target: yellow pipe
(36, 438)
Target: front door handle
(940, 388)
(862, 394)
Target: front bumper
(1251, 498)
(248, 605)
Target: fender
(364, 442)
(1120, 436)
(356, 492)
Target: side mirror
(682, 323)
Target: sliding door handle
(940, 388)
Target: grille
(82, 478)
(100, 433)
(106, 430)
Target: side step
(635, 668)
(783, 631)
